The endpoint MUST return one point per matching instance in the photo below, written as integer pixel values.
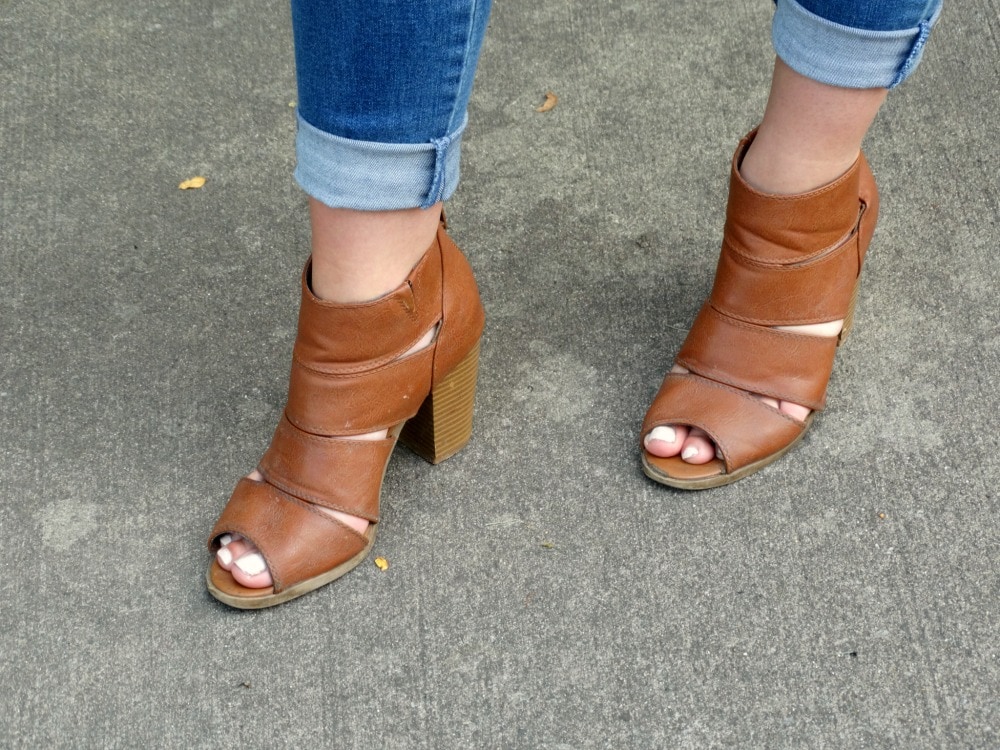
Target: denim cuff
(370, 176)
(843, 56)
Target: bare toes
(360, 525)
(698, 448)
(243, 561)
(794, 410)
(231, 546)
(665, 440)
(251, 571)
(229, 553)
(772, 402)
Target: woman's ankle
(778, 173)
(810, 134)
(361, 255)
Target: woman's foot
(810, 135)
(356, 256)
(757, 359)
(365, 375)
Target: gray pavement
(541, 592)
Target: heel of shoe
(443, 425)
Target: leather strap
(339, 338)
(743, 428)
(784, 365)
(337, 473)
(790, 259)
(356, 403)
(789, 293)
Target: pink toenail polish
(252, 564)
(663, 432)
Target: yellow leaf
(381, 563)
(193, 184)
(550, 102)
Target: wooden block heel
(443, 425)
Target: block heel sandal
(352, 375)
(786, 260)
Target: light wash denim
(383, 89)
(384, 84)
(853, 44)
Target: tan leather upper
(349, 377)
(785, 260)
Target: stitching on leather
(690, 423)
(312, 501)
(701, 424)
(714, 376)
(373, 365)
(417, 271)
(797, 196)
(298, 491)
(361, 369)
(411, 312)
(815, 258)
(767, 323)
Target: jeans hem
(371, 176)
(839, 55)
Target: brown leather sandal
(350, 376)
(786, 260)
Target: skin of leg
(356, 256)
(811, 134)
(361, 255)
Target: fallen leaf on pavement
(551, 100)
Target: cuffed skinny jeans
(384, 84)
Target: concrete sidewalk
(541, 592)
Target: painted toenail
(664, 433)
(225, 539)
(689, 452)
(252, 564)
(718, 453)
(225, 556)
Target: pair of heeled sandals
(786, 260)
